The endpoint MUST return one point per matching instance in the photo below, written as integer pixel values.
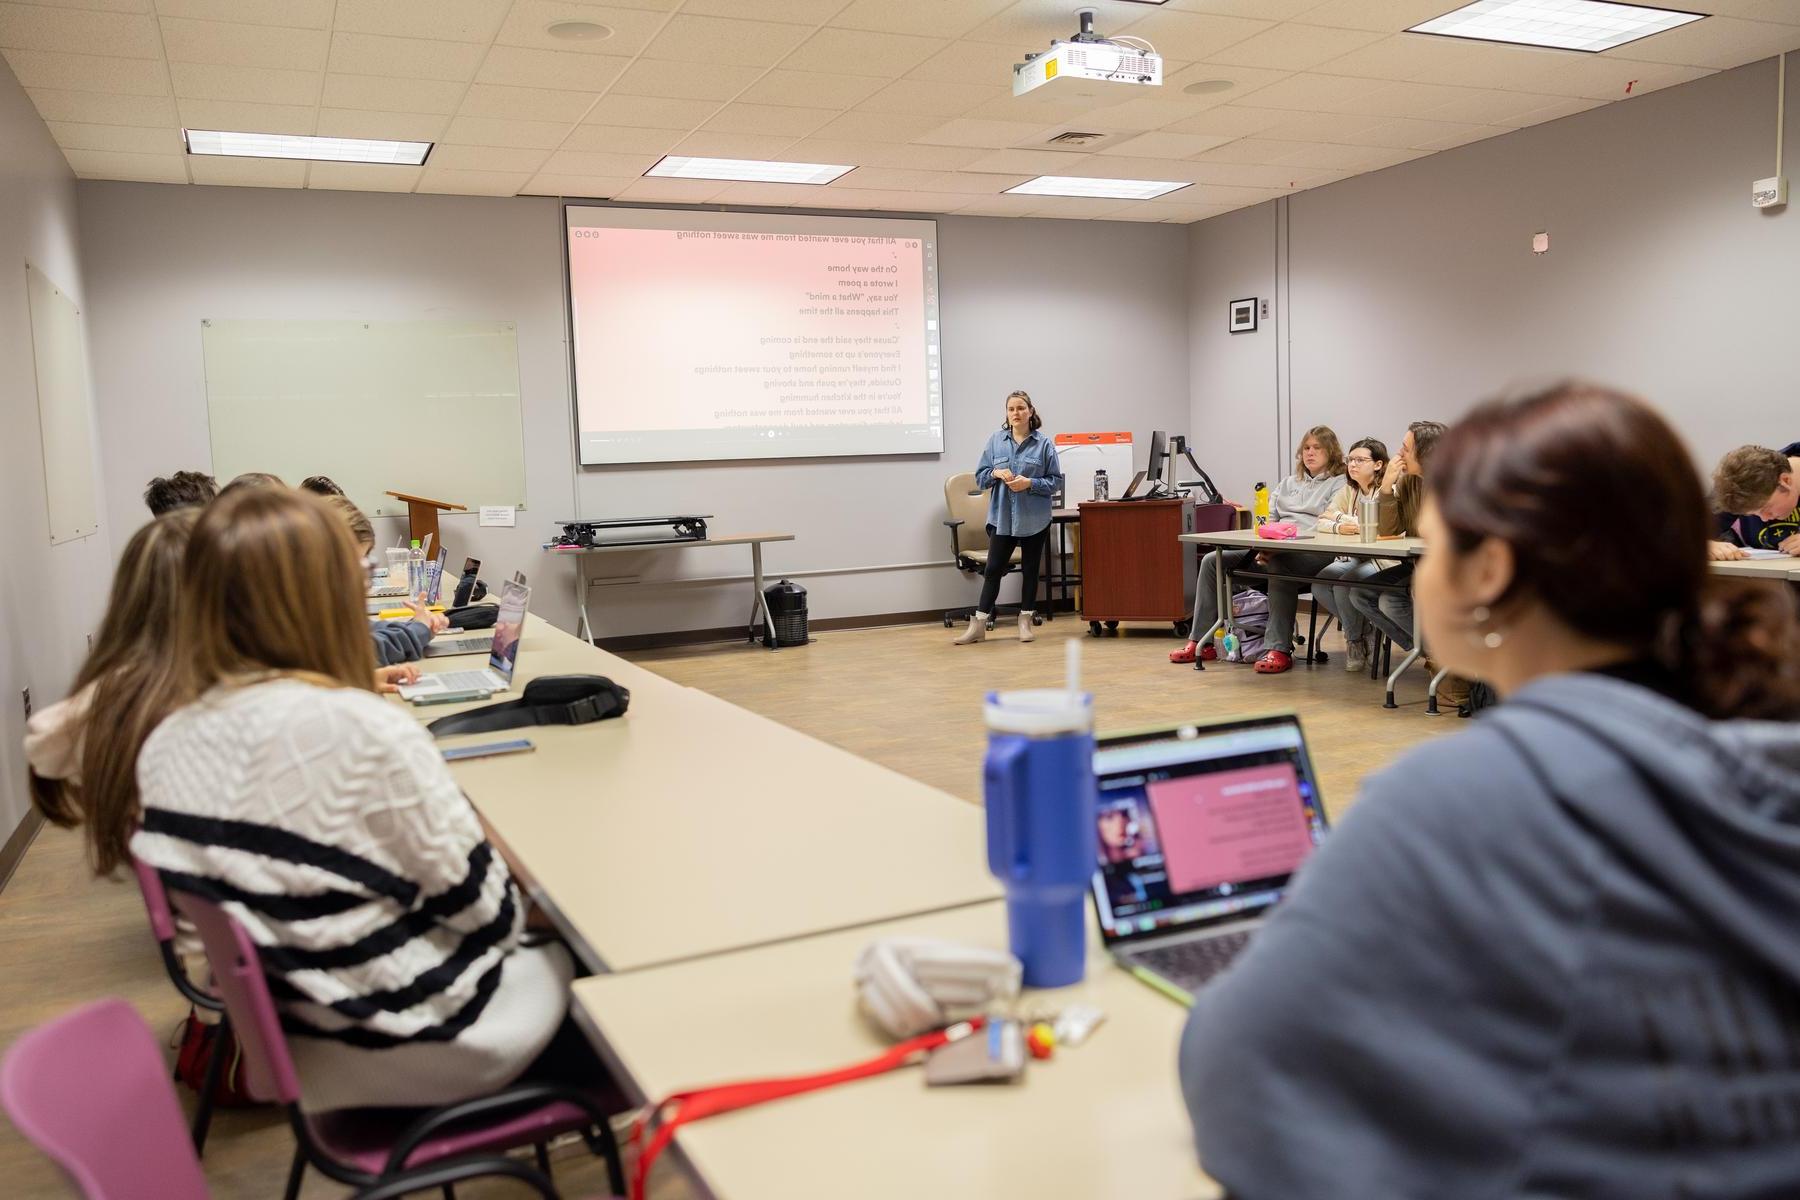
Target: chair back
(969, 504)
(1214, 518)
(156, 901)
(90, 1090)
(237, 972)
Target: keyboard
(1190, 964)
(387, 591)
(466, 681)
(464, 645)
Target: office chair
(968, 506)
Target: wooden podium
(1134, 567)
(422, 516)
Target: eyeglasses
(1359, 459)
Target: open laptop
(503, 654)
(1201, 829)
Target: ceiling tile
(1316, 93)
(1351, 158)
(857, 52)
(706, 144)
(1029, 162)
(695, 39)
(575, 186)
(1000, 206)
(1381, 16)
(622, 139)
(69, 31)
(671, 191)
(877, 154)
(1031, 24)
(930, 18)
(1403, 100)
(919, 97)
(447, 20)
(127, 139)
(1141, 114)
(885, 179)
(1166, 145)
(877, 127)
(1196, 37)
(1187, 214)
(146, 168)
(405, 58)
(1718, 42)
(998, 135)
(1115, 166)
(1483, 65)
(971, 62)
(1036, 107)
(261, 85)
(972, 182)
(519, 66)
(1598, 77)
(1320, 127)
(632, 29)
(1246, 79)
(1481, 107)
(650, 112)
(770, 119)
(365, 123)
(225, 44)
(1408, 134)
(115, 6)
(472, 183)
(679, 81)
(886, 200)
(578, 162)
(392, 95)
(768, 195)
(1070, 208)
(797, 12)
(1466, 134)
(99, 108)
(525, 104)
(248, 172)
(88, 73)
(1257, 151)
(1231, 120)
(490, 131)
(246, 117)
(362, 177)
(290, 14)
(486, 158)
(1268, 10)
(1555, 111)
(1785, 11)
(811, 89)
(1294, 47)
(1398, 57)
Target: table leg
(1222, 597)
(584, 626)
(1412, 656)
(762, 601)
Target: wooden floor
(903, 697)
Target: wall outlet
(1263, 306)
(1769, 193)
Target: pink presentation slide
(1231, 826)
(708, 330)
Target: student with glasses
(1366, 462)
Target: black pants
(1000, 549)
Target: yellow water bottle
(1262, 503)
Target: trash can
(787, 608)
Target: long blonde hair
(1328, 442)
(130, 661)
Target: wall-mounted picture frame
(1241, 316)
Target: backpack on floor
(1480, 696)
(1250, 616)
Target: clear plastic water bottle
(415, 569)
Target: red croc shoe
(1187, 653)
(1274, 662)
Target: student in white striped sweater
(324, 819)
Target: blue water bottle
(1041, 825)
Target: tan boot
(976, 632)
(1025, 630)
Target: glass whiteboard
(425, 407)
(65, 422)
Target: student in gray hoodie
(1558, 954)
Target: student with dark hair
(166, 493)
(253, 479)
(1389, 611)
(321, 485)
(1756, 492)
(1554, 955)
(396, 642)
(1020, 471)
(1366, 464)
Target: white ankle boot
(1025, 631)
(976, 632)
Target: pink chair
(88, 1090)
(364, 1147)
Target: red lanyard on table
(685, 1107)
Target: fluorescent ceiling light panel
(1587, 25)
(1104, 189)
(747, 170)
(321, 149)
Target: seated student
(326, 821)
(1757, 493)
(253, 479)
(1389, 611)
(166, 493)
(320, 485)
(1556, 954)
(78, 780)
(1366, 464)
(396, 642)
(1301, 497)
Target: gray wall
(1090, 317)
(1413, 292)
(51, 597)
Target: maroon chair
(368, 1147)
(88, 1090)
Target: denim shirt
(1019, 514)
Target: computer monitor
(1159, 456)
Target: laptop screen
(1201, 823)
(509, 627)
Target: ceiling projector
(1085, 64)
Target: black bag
(1480, 696)
(550, 700)
(473, 616)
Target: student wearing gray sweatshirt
(1557, 954)
(1319, 474)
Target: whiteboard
(65, 420)
(425, 407)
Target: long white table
(755, 541)
(1785, 569)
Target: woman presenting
(1020, 472)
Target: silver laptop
(1201, 829)
(503, 654)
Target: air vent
(1075, 137)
